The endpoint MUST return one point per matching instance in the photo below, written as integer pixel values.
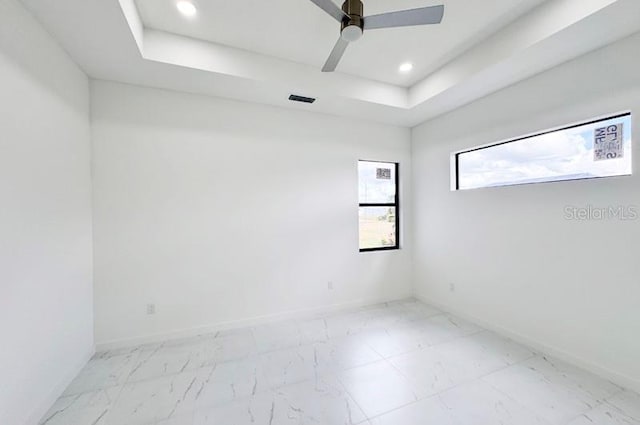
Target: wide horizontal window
(378, 214)
(594, 149)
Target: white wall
(46, 301)
(568, 287)
(220, 212)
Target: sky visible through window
(372, 188)
(561, 155)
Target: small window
(379, 209)
(593, 149)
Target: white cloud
(551, 156)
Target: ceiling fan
(353, 23)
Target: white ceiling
(482, 47)
(298, 31)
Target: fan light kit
(353, 23)
(186, 8)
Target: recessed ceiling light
(406, 67)
(186, 8)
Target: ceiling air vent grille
(296, 98)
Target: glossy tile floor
(402, 363)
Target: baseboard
(40, 409)
(615, 377)
(242, 323)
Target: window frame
(456, 155)
(395, 204)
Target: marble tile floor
(401, 363)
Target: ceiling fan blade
(405, 18)
(331, 8)
(335, 56)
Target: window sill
(390, 248)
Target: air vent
(296, 98)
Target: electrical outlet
(330, 286)
(151, 309)
(452, 287)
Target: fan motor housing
(353, 8)
(353, 27)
